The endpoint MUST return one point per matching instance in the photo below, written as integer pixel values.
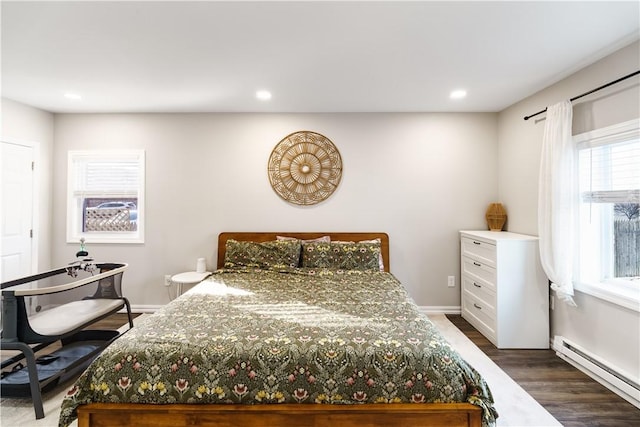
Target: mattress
(305, 336)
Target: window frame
(619, 291)
(74, 209)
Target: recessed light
(458, 94)
(263, 95)
(73, 96)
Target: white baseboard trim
(440, 309)
(141, 308)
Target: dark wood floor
(569, 395)
(114, 321)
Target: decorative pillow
(273, 254)
(342, 256)
(326, 239)
(317, 239)
(378, 241)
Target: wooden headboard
(267, 236)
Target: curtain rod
(590, 92)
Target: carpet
(515, 406)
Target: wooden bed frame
(283, 415)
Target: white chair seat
(67, 317)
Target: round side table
(188, 278)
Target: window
(609, 212)
(105, 196)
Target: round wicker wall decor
(305, 168)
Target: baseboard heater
(609, 376)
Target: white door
(16, 210)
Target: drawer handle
(477, 306)
(476, 264)
(476, 285)
(476, 243)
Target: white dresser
(505, 293)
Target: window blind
(106, 174)
(610, 170)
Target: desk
(188, 278)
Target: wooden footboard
(285, 415)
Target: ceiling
(321, 56)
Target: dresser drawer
(480, 272)
(479, 289)
(479, 250)
(480, 314)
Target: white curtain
(557, 200)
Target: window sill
(620, 292)
(91, 238)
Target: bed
(324, 336)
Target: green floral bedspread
(297, 336)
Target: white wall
(418, 177)
(608, 330)
(25, 124)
